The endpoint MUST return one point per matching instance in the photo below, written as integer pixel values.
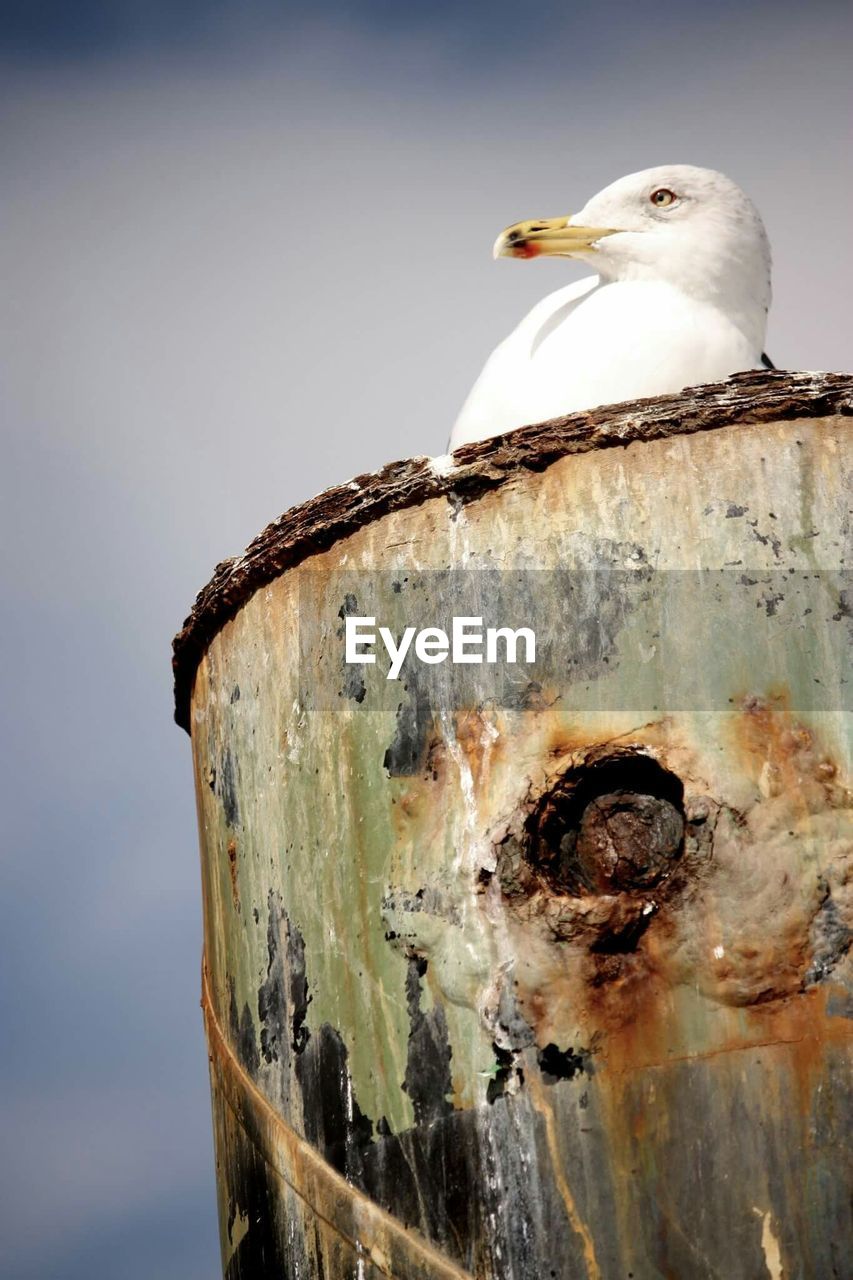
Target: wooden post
(531, 969)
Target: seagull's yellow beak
(548, 236)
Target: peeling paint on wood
(543, 972)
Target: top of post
(475, 469)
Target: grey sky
(237, 271)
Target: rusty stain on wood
(506, 976)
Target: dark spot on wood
(830, 939)
(242, 1030)
(406, 754)
(614, 825)
(353, 673)
(232, 872)
(504, 1060)
(299, 997)
(766, 539)
(432, 1179)
(334, 1122)
(561, 1064)
(516, 1032)
(283, 997)
(253, 1197)
(427, 1080)
(624, 938)
(226, 789)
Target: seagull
(680, 297)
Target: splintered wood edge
(475, 469)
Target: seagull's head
(692, 228)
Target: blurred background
(246, 254)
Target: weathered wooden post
(518, 970)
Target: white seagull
(680, 298)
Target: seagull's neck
(739, 291)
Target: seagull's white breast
(598, 343)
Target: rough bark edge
(476, 469)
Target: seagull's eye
(663, 197)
